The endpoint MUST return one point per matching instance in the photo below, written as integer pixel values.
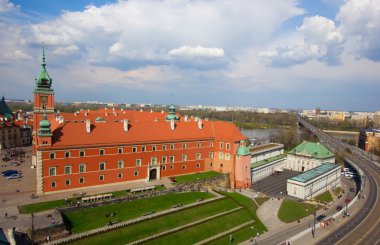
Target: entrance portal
(153, 174)
(303, 169)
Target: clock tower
(43, 109)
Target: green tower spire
(43, 80)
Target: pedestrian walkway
(267, 213)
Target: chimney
(125, 124)
(88, 126)
(86, 114)
(172, 124)
(186, 118)
(200, 125)
(60, 119)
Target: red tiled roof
(112, 133)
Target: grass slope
(291, 210)
(151, 227)
(324, 197)
(92, 218)
(194, 177)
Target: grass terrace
(92, 218)
(189, 235)
(337, 190)
(194, 177)
(265, 161)
(325, 197)
(291, 210)
(43, 206)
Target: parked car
(320, 217)
(14, 176)
(352, 190)
(15, 163)
(8, 173)
(338, 208)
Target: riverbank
(341, 132)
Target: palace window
(67, 182)
(154, 148)
(184, 158)
(164, 147)
(82, 168)
(164, 167)
(221, 145)
(81, 180)
(211, 155)
(53, 184)
(199, 144)
(120, 175)
(171, 166)
(102, 166)
(120, 164)
(134, 149)
(81, 153)
(138, 162)
(172, 147)
(164, 159)
(171, 159)
(199, 155)
(227, 146)
(143, 148)
(184, 146)
(136, 173)
(183, 167)
(101, 152)
(120, 150)
(67, 154)
(101, 177)
(52, 171)
(67, 169)
(228, 157)
(220, 155)
(52, 155)
(153, 160)
(198, 165)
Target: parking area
(26, 183)
(274, 185)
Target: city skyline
(277, 54)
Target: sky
(290, 54)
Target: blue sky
(274, 53)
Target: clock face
(43, 101)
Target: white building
(308, 155)
(314, 182)
(266, 159)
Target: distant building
(376, 119)
(315, 181)
(14, 132)
(369, 140)
(266, 159)
(308, 155)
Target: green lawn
(337, 190)
(42, 206)
(238, 236)
(205, 230)
(291, 210)
(141, 230)
(324, 197)
(194, 177)
(92, 218)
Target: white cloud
(6, 6)
(360, 22)
(198, 51)
(318, 38)
(66, 50)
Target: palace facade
(89, 149)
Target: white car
(14, 176)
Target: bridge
(363, 227)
